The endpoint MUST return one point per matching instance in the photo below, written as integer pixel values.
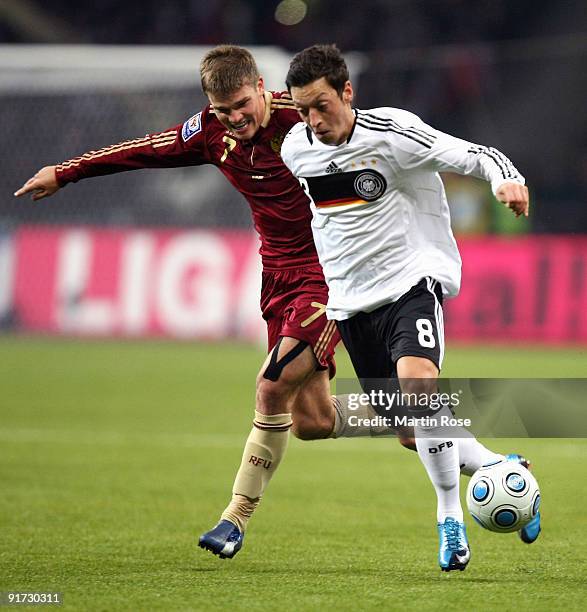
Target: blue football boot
(515, 458)
(531, 531)
(225, 540)
(454, 552)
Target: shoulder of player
(395, 123)
(295, 140)
(387, 114)
(296, 135)
(201, 123)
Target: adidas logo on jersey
(332, 167)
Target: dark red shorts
(293, 303)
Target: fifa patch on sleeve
(191, 127)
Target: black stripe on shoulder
(309, 135)
(409, 130)
(387, 121)
(381, 128)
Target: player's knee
(273, 396)
(269, 395)
(421, 379)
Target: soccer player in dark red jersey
(240, 133)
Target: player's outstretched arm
(182, 145)
(515, 197)
(41, 185)
(418, 145)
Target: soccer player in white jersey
(382, 230)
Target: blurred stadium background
(170, 255)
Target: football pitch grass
(116, 456)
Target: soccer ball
(503, 496)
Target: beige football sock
(264, 449)
(360, 421)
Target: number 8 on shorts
(425, 333)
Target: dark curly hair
(316, 62)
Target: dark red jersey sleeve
(182, 145)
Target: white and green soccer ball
(503, 496)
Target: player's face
(329, 115)
(241, 112)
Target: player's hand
(515, 197)
(43, 184)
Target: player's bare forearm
(515, 197)
(41, 185)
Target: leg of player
(287, 366)
(472, 455)
(317, 414)
(313, 412)
(440, 456)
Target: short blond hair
(227, 68)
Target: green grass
(115, 456)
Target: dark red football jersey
(281, 211)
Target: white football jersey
(380, 216)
